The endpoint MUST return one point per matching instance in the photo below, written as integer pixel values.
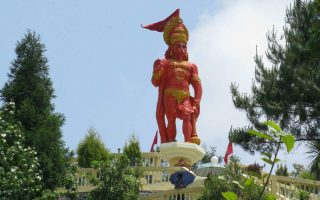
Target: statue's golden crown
(175, 31)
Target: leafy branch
(275, 135)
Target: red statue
(173, 75)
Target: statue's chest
(179, 71)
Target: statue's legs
(170, 107)
(187, 128)
(185, 112)
(171, 128)
(162, 127)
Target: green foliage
(282, 170)
(70, 179)
(229, 195)
(302, 195)
(252, 191)
(298, 168)
(288, 91)
(48, 195)
(30, 88)
(209, 153)
(278, 137)
(274, 134)
(306, 174)
(314, 155)
(214, 186)
(117, 180)
(90, 149)
(133, 152)
(231, 185)
(20, 177)
(247, 189)
(233, 169)
(253, 170)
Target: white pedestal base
(181, 154)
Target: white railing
(156, 181)
(157, 178)
(84, 176)
(176, 194)
(286, 187)
(154, 178)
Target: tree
(133, 152)
(314, 155)
(298, 168)
(117, 181)
(91, 148)
(253, 169)
(282, 170)
(214, 186)
(30, 88)
(288, 92)
(20, 177)
(209, 153)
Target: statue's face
(179, 49)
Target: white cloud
(223, 45)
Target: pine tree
(133, 151)
(288, 92)
(90, 149)
(30, 88)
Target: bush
(214, 186)
(302, 195)
(117, 181)
(253, 170)
(305, 174)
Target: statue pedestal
(181, 154)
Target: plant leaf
(229, 195)
(267, 154)
(273, 125)
(259, 134)
(288, 140)
(248, 182)
(267, 160)
(276, 160)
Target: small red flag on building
(228, 152)
(155, 141)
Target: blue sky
(101, 61)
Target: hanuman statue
(173, 75)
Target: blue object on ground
(182, 179)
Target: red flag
(159, 26)
(228, 152)
(155, 141)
